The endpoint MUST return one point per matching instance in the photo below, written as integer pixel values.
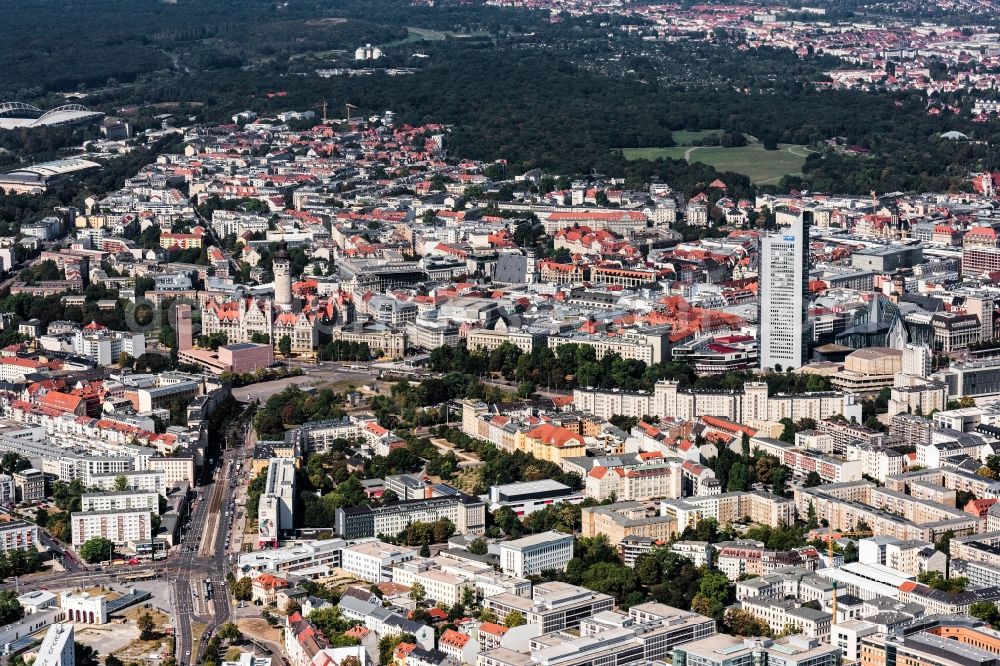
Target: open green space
(688, 137)
(426, 34)
(760, 165)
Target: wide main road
(200, 558)
(203, 555)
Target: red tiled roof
(493, 628)
(61, 401)
(555, 435)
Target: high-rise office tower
(784, 293)
(185, 329)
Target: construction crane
(347, 107)
(322, 106)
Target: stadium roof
(17, 114)
(57, 167)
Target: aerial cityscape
(499, 333)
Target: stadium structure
(17, 114)
(40, 177)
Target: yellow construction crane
(322, 106)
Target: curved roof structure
(58, 167)
(19, 114)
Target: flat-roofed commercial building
(536, 553)
(553, 606)
(373, 560)
(313, 558)
(527, 497)
(466, 512)
(611, 638)
(725, 650)
(276, 511)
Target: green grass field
(427, 35)
(688, 137)
(760, 165)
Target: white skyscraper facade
(57, 648)
(784, 291)
(917, 361)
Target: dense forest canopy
(564, 97)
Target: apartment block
(887, 512)
(761, 507)
(120, 501)
(805, 461)
(18, 535)
(439, 586)
(153, 481)
(752, 403)
(466, 512)
(628, 520)
(643, 481)
(121, 527)
(781, 614)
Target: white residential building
(153, 481)
(18, 535)
(121, 527)
(699, 552)
(909, 556)
(373, 561)
(877, 461)
(120, 501)
(105, 347)
(439, 586)
(58, 647)
(536, 553)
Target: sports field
(762, 166)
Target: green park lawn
(760, 165)
(688, 137)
